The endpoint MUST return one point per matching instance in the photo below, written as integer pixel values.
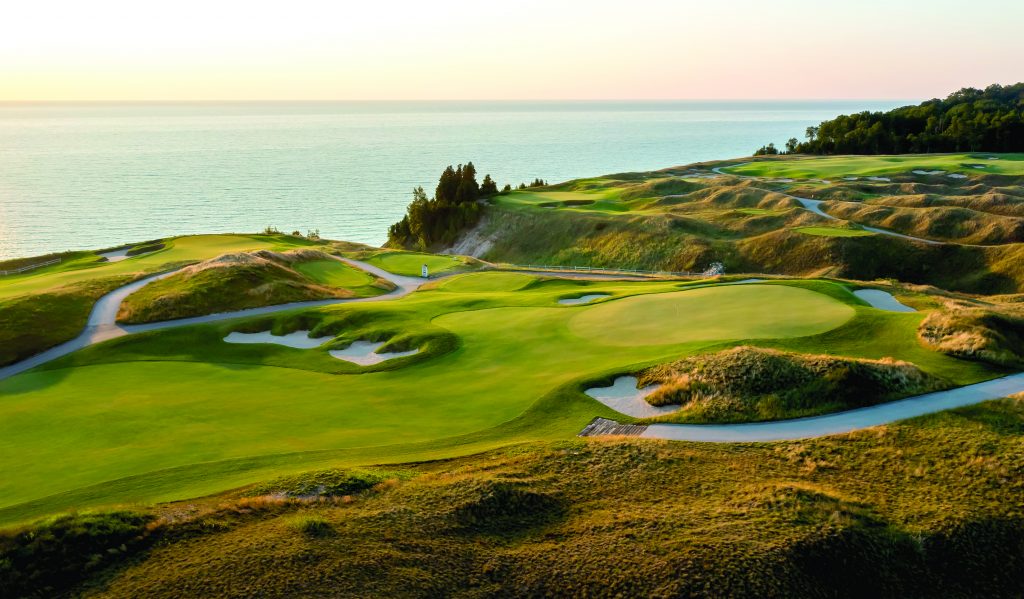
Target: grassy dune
(924, 508)
(248, 280)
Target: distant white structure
(424, 272)
(716, 269)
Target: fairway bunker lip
(295, 339)
(364, 353)
(583, 299)
(624, 397)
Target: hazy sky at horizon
(530, 49)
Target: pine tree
(488, 188)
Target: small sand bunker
(957, 176)
(365, 353)
(116, 255)
(624, 397)
(781, 181)
(883, 300)
(920, 172)
(850, 178)
(825, 181)
(978, 166)
(296, 339)
(886, 179)
(583, 299)
(993, 158)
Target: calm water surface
(75, 176)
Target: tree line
(969, 120)
(437, 221)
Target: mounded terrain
(187, 465)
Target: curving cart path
(102, 324)
(815, 207)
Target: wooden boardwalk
(603, 426)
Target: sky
(74, 50)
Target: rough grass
(31, 324)
(247, 280)
(834, 167)
(989, 333)
(745, 384)
(920, 509)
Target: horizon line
(424, 100)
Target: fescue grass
(925, 508)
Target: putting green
(334, 274)
(487, 282)
(409, 263)
(833, 232)
(730, 312)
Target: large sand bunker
(583, 299)
(623, 396)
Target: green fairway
(833, 167)
(410, 263)
(179, 413)
(191, 248)
(833, 232)
(335, 273)
(735, 312)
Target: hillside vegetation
(925, 508)
(687, 218)
(746, 384)
(248, 280)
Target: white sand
(116, 255)
(296, 339)
(957, 176)
(883, 300)
(980, 166)
(584, 299)
(993, 158)
(850, 178)
(365, 353)
(919, 172)
(781, 181)
(624, 397)
(886, 179)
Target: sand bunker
(624, 397)
(957, 176)
(920, 172)
(583, 299)
(116, 255)
(781, 181)
(883, 300)
(296, 339)
(365, 353)
(850, 178)
(886, 179)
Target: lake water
(76, 176)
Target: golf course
(204, 366)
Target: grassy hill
(249, 280)
(924, 508)
(685, 218)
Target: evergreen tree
(488, 188)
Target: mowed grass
(178, 414)
(832, 232)
(335, 273)
(723, 312)
(410, 263)
(177, 250)
(832, 167)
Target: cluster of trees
(970, 120)
(437, 221)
